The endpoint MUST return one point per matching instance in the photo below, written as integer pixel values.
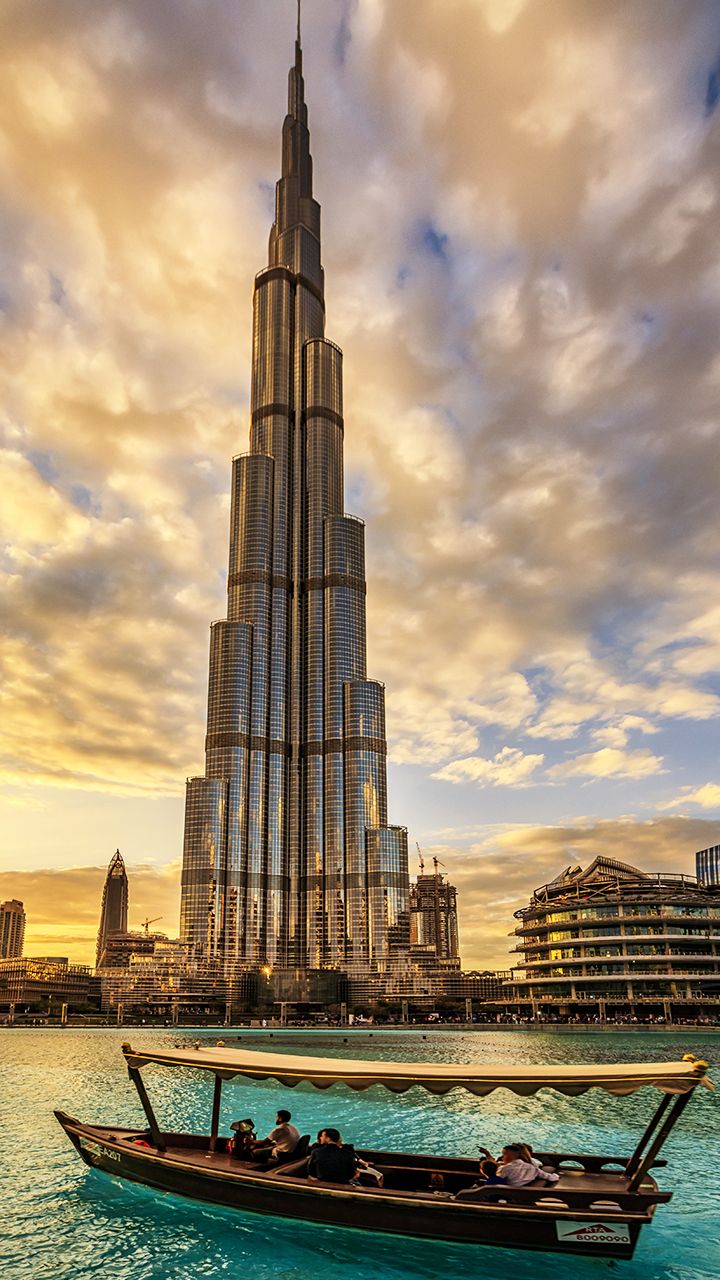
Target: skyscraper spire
(298, 44)
(288, 859)
(114, 910)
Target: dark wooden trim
(526, 1218)
(215, 1119)
(679, 1105)
(134, 1073)
(654, 1121)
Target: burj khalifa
(288, 857)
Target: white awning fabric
(291, 1070)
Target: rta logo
(593, 1233)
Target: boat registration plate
(591, 1233)
(94, 1149)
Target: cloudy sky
(520, 207)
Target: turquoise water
(69, 1222)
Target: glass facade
(288, 859)
(707, 865)
(629, 937)
(114, 910)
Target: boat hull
(200, 1177)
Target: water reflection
(70, 1222)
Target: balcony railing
(591, 962)
(627, 976)
(582, 917)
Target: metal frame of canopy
(676, 1081)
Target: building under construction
(433, 918)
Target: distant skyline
(520, 205)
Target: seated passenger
(330, 1161)
(489, 1174)
(366, 1175)
(243, 1141)
(280, 1142)
(517, 1168)
(527, 1153)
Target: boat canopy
(291, 1070)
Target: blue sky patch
(435, 242)
(343, 37)
(44, 465)
(58, 294)
(712, 92)
(267, 190)
(81, 497)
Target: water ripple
(71, 1223)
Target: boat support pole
(215, 1121)
(671, 1120)
(158, 1140)
(655, 1119)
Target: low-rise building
(425, 987)
(617, 942)
(43, 984)
(173, 982)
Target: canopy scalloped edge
(398, 1077)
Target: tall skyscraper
(12, 929)
(114, 910)
(288, 858)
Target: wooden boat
(597, 1206)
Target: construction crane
(437, 914)
(146, 923)
(438, 926)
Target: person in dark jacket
(330, 1161)
(489, 1174)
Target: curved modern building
(611, 938)
(288, 857)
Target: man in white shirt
(280, 1142)
(517, 1168)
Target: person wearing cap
(241, 1144)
